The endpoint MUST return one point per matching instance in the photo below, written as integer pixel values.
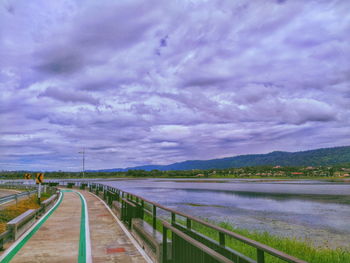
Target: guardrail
(15, 197)
(187, 245)
(23, 222)
(19, 186)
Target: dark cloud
(68, 96)
(56, 63)
(137, 82)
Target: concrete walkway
(60, 239)
(57, 240)
(108, 241)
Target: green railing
(188, 245)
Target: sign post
(39, 193)
(39, 179)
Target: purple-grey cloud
(138, 82)
(68, 96)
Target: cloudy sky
(139, 82)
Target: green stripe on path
(82, 241)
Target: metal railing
(188, 245)
(18, 186)
(8, 198)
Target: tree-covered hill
(318, 157)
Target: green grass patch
(293, 247)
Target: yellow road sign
(27, 176)
(39, 178)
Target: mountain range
(317, 157)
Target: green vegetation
(297, 248)
(278, 172)
(294, 247)
(12, 211)
(320, 163)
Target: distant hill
(318, 157)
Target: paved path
(109, 242)
(78, 229)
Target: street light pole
(83, 152)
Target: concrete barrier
(48, 203)
(20, 224)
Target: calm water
(311, 210)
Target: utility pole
(83, 153)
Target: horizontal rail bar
(128, 202)
(197, 244)
(7, 198)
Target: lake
(316, 211)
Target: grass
(297, 248)
(12, 211)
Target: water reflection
(284, 209)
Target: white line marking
(132, 239)
(87, 231)
(7, 251)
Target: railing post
(142, 209)
(131, 214)
(110, 198)
(222, 239)
(123, 211)
(188, 223)
(173, 218)
(165, 245)
(154, 214)
(260, 256)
